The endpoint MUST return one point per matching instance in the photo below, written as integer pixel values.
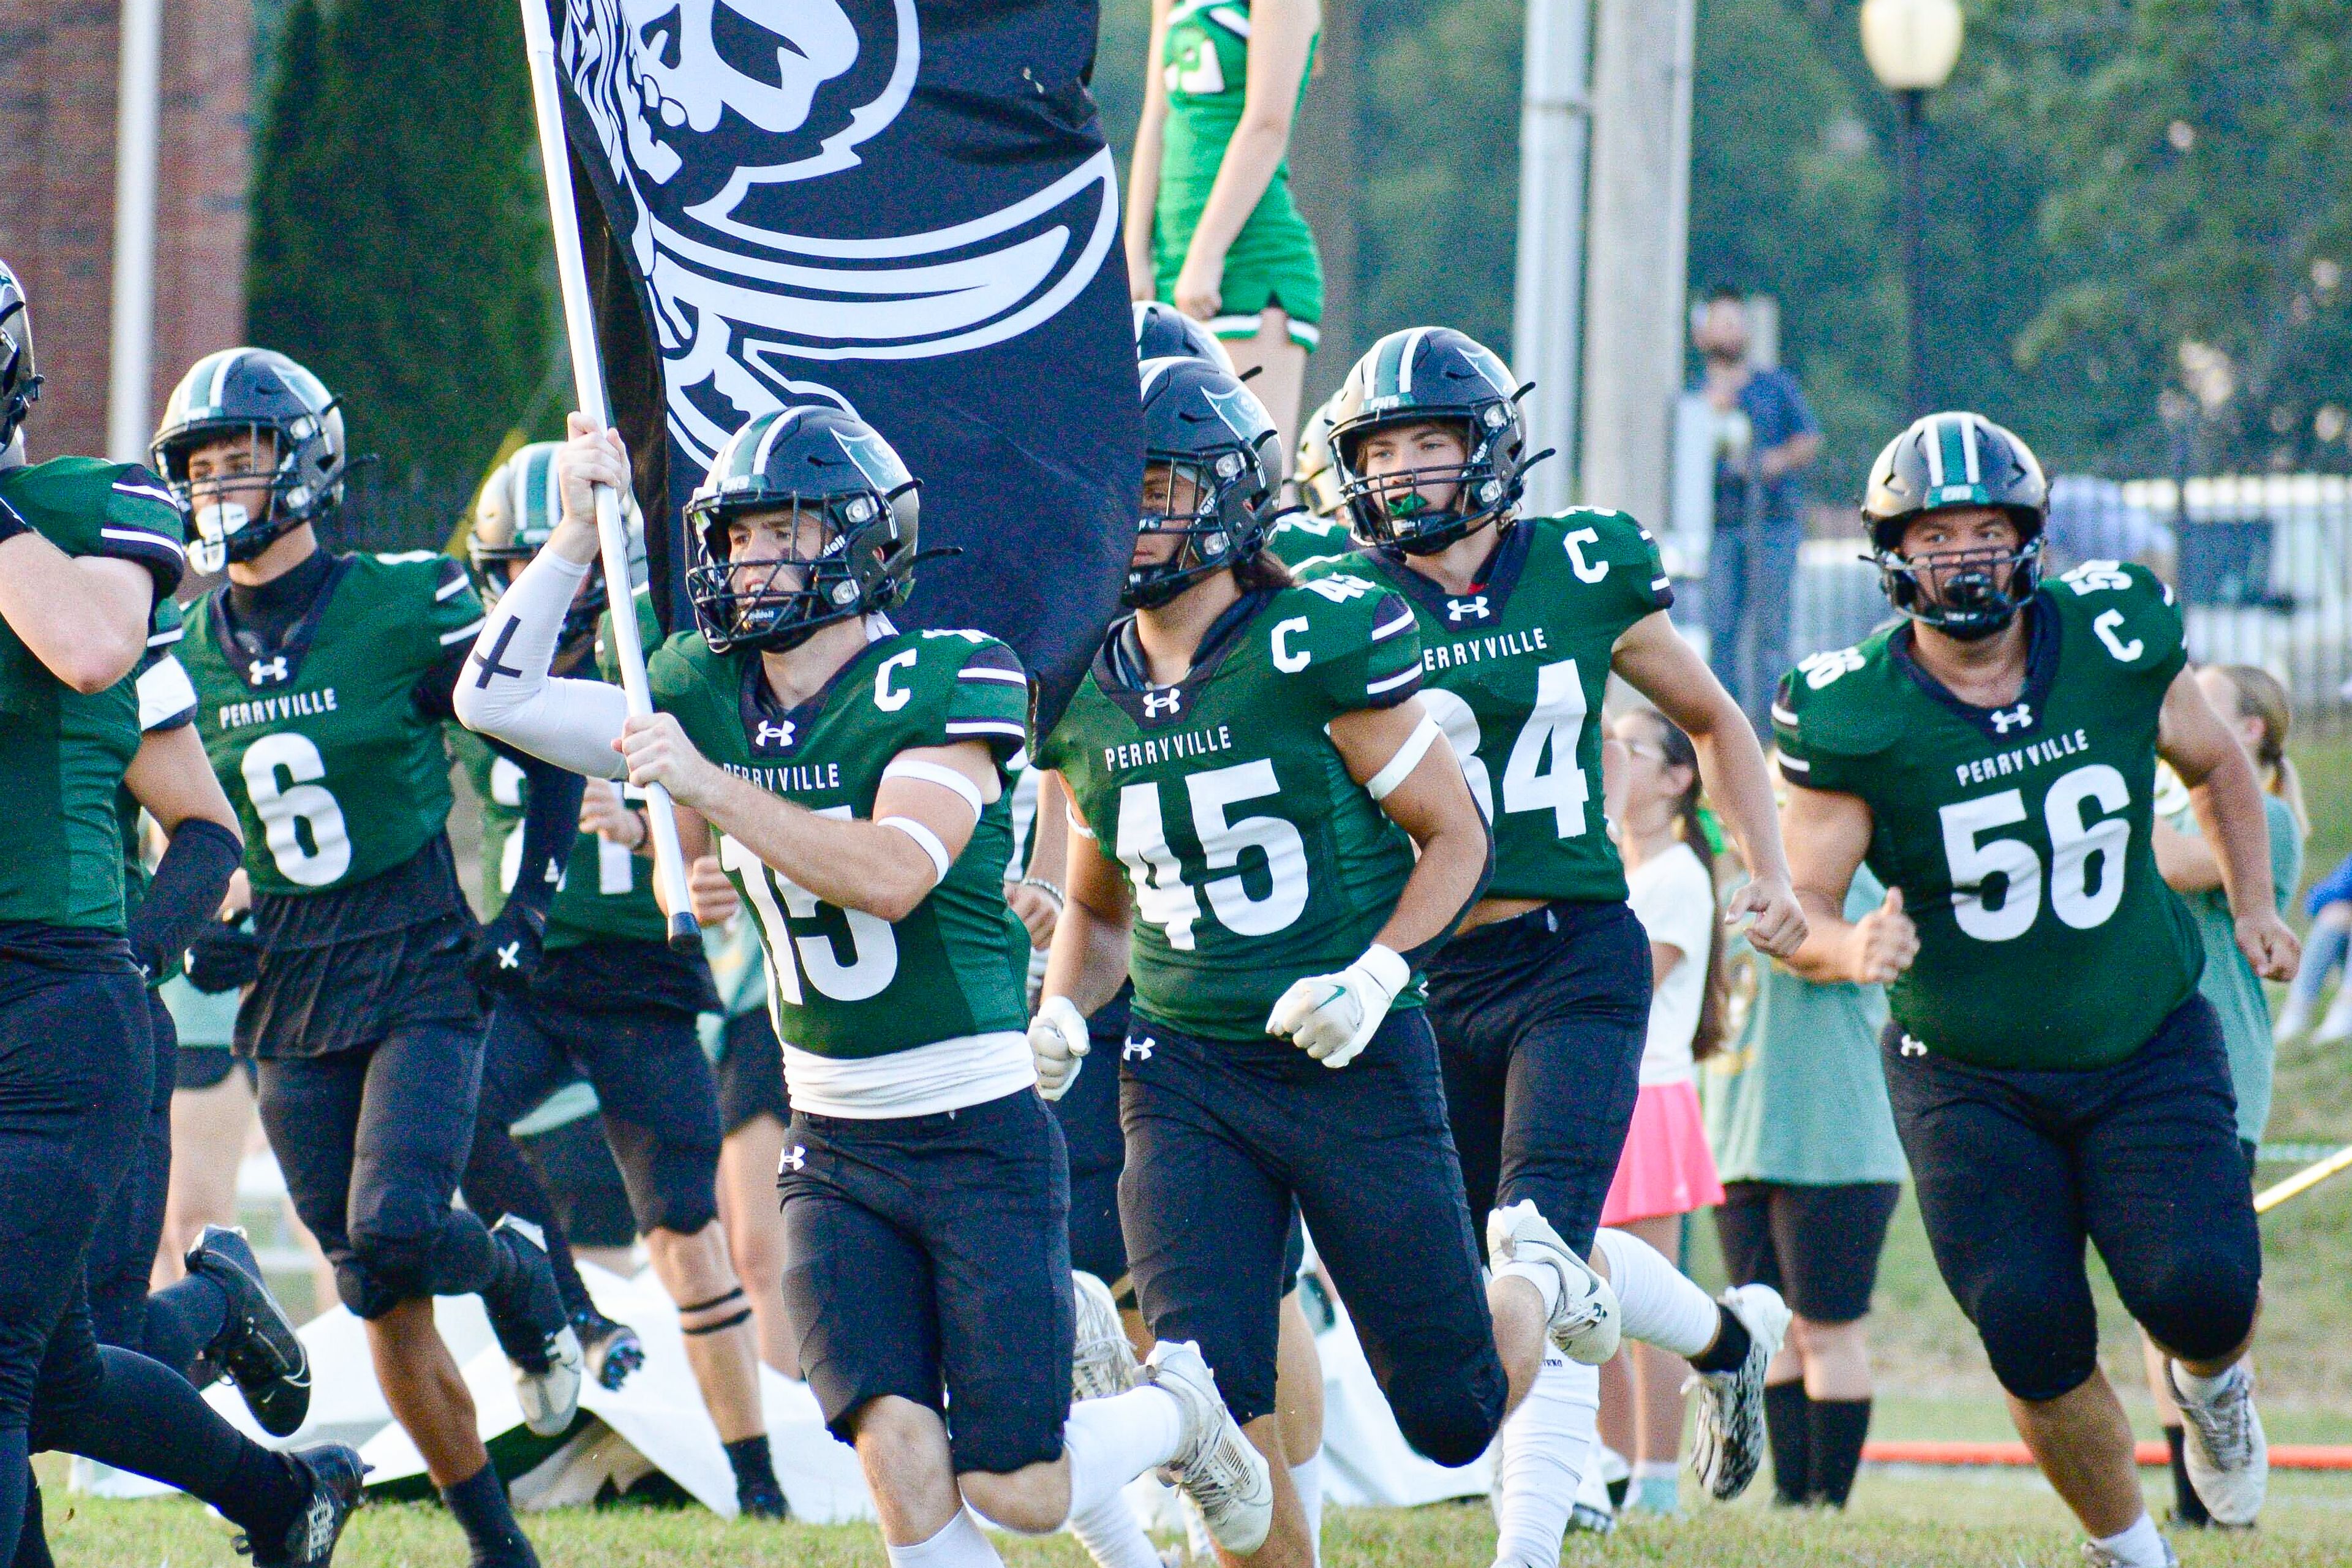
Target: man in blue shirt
(1769, 438)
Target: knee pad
(389, 1265)
(1450, 1420)
(2204, 1310)
(2037, 1354)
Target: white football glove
(1058, 1044)
(1333, 1016)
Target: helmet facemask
(1393, 509)
(1212, 505)
(1966, 593)
(776, 603)
(299, 487)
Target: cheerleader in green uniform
(1210, 226)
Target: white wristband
(947, 778)
(927, 840)
(1399, 768)
(1387, 968)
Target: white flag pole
(588, 380)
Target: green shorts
(1273, 262)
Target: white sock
(1113, 1536)
(1656, 1304)
(1307, 1480)
(2140, 1546)
(1547, 1442)
(2201, 1391)
(960, 1544)
(1112, 1441)
(1542, 1276)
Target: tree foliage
(399, 235)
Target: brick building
(57, 71)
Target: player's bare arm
(885, 866)
(1655, 661)
(1827, 834)
(2228, 801)
(84, 619)
(1432, 804)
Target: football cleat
(527, 1314)
(1215, 1466)
(1584, 1321)
(256, 1345)
(1102, 1363)
(609, 1352)
(2227, 1457)
(336, 1476)
(1729, 1446)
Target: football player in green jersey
(607, 999)
(858, 776)
(1321, 527)
(1211, 225)
(86, 549)
(1541, 1003)
(2055, 1073)
(1269, 836)
(324, 681)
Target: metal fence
(2263, 565)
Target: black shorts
(750, 1070)
(371, 1142)
(209, 1066)
(2015, 1169)
(1088, 1114)
(584, 1187)
(76, 1056)
(1540, 1022)
(929, 1257)
(1223, 1136)
(1818, 1246)
(654, 1085)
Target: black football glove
(223, 957)
(505, 953)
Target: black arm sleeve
(551, 821)
(435, 694)
(188, 887)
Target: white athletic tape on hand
(1381, 785)
(927, 840)
(947, 778)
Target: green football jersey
(62, 754)
(1515, 671)
(336, 775)
(1253, 858)
(2019, 836)
(843, 983)
(1298, 539)
(607, 891)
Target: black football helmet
(252, 393)
(1163, 331)
(20, 382)
(811, 460)
(1316, 473)
(1422, 375)
(1945, 461)
(1203, 426)
(519, 505)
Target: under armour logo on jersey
(2022, 715)
(773, 735)
(1139, 1050)
(796, 1159)
(262, 669)
(1472, 608)
(1155, 703)
(510, 955)
(1911, 1048)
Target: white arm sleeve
(506, 690)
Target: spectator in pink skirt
(1667, 1171)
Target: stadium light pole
(1911, 46)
